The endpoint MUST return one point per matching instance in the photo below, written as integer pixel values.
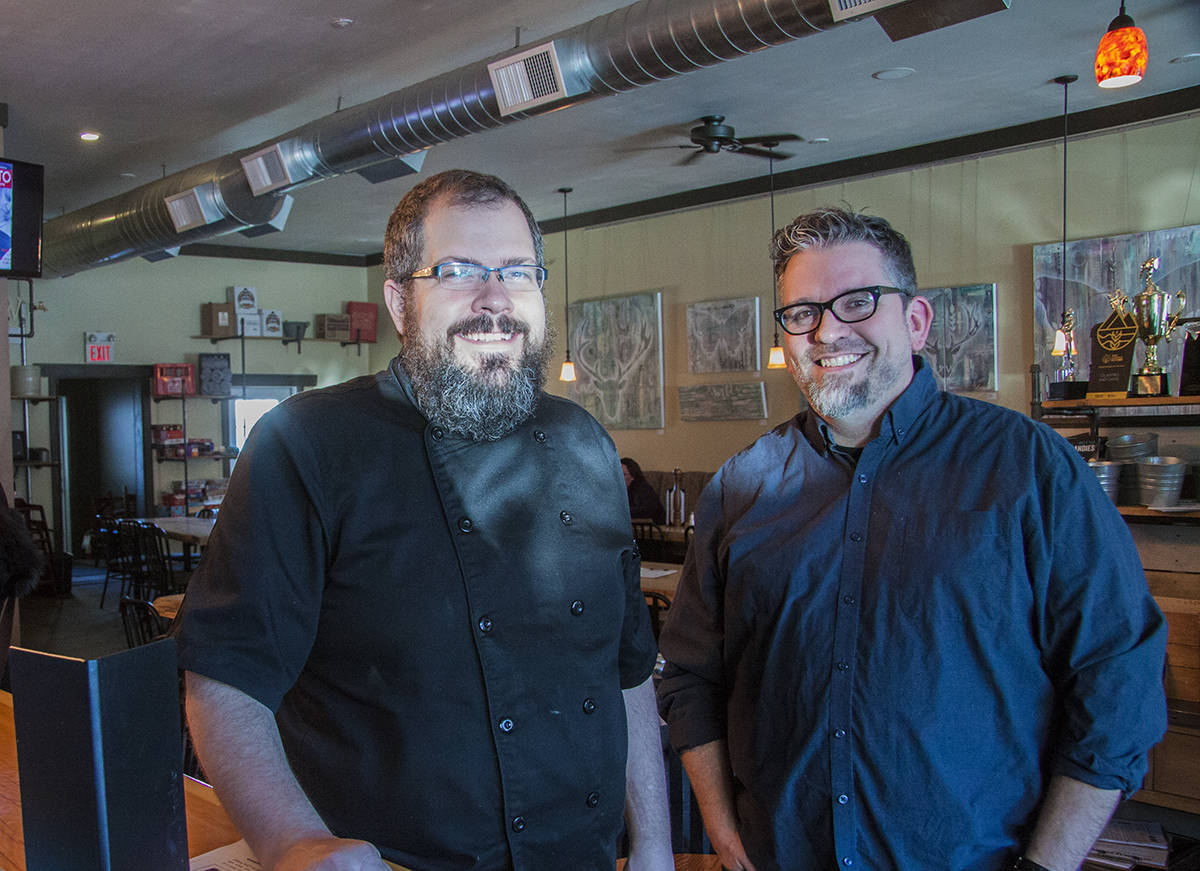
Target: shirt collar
(897, 420)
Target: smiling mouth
(485, 338)
(839, 360)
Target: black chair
(159, 577)
(142, 623)
(106, 545)
(659, 604)
(651, 541)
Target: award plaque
(1189, 377)
(1112, 353)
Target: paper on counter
(657, 573)
(235, 857)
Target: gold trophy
(1155, 321)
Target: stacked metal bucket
(1134, 474)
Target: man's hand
(730, 851)
(330, 854)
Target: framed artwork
(616, 343)
(961, 348)
(745, 401)
(722, 335)
(1096, 268)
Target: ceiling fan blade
(696, 152)
(770, 137)
(762, 152)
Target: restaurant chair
(158, 565)
(106, 545)
(651, 542)
(205, 514)
(142, 623)
(659, 604)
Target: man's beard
(484, 404)
(838, 396)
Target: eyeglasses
(470, 276)
(850, 307)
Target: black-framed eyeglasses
(471, 276)
(849, 307)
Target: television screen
(20, 219)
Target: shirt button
(577, 607)
(862, 479)
(438, 433)
(840, 733)
(849, 600)
(506, 725)
(589, 706)
(842, 799)
(539, 436)
(842, 666)
(465, 524)
(593, 799)
(566, 518)
(518, 824)
(847, 861)
(856, 536)
(485, 624)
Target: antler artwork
(960, 320)
(609, 349)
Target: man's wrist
(1023, 864)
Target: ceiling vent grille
(528, 79)
(267, 170)
(195, 207)
(846, 9)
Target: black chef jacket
(442, 626)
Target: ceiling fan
(714, 135)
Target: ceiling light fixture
(893, 73)
(1064, 336)
(775, 355)
(568, 368)
(89, 136)
(341, 23)
(1122, 55)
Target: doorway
(106, 414)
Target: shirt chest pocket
(959, 568)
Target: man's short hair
(824, 227)
(404, 243)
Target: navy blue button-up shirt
(902, 648)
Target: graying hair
(827, 226)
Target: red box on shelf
(174, 379)
(362, 320)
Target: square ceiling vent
(845, 9)
(532, 78)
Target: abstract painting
(1102, 266)
(745, 401)
(616, 343)
(722, 335)
(961, 348)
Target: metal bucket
(1108, 474)
(1133, 445)
(26, 381)
(1160, 480)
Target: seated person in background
(643, 501)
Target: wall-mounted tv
(21, 203)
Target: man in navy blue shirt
(912, 632)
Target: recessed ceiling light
(1185, 58)
(893, 73)
(127, 174)
(341, 23)
(817, 140)
(89, 136)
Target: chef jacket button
(849, 600)
(506, 725)
(465, 524)
(840, 733)
(539, 436)
(843, 665)
(485, 624)
(862, 479)
(589, 706)
(438, 433)
(577, 607)
(593, 799)
(518, 824)
(856, 536)
(637, 553)
(566, 518)
(847, 861)
(843, 798)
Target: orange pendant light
(1122, 54)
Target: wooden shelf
(1141, 513)
(1129, 402)
(31, 464)
(35, 399)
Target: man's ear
(919, 318)
(393, 298)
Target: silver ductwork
(637, 45)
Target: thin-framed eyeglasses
(849, 307)
(471, 276)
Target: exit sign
(98, 347)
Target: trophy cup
(1152, 312)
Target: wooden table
(168, 606)
(189, 530)
(208, 826)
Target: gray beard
(836, 399)
(485, 405)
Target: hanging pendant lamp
(775, 358)
(567, 373)
(1064, 336)
(1122, 55)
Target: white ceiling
(175, 84)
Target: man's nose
(492, 296)
(829, 329)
